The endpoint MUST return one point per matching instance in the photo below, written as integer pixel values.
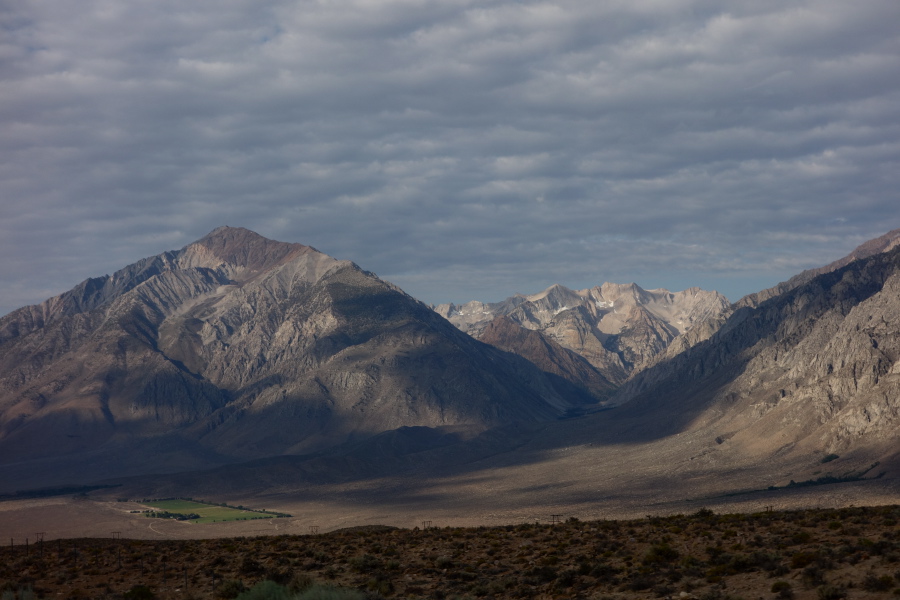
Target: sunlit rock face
(237, 347)
(618, 328)
(812, 369)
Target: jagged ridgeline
(238, 347)
(813, 366)
(618, 329)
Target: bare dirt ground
(76, 517)
(825, 554)
(339, 507)
(489, 529)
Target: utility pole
(115, 536)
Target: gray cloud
(460, 149)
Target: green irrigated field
(209, 513)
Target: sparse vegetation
(783, 589)
(703, 556)
(822, 480)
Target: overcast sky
(460, 149)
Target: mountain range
(238, 348)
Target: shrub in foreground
(327, 592)
(269, 590)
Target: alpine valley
(248, 370)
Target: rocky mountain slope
(705, 329)
(547, 354)
(239, 347)
(878, 245)
(815, 369)
(619, 329)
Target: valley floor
(94, 515)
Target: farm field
(209, 513)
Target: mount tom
(238, 347)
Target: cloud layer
(460, 149)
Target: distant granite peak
(618, 328)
